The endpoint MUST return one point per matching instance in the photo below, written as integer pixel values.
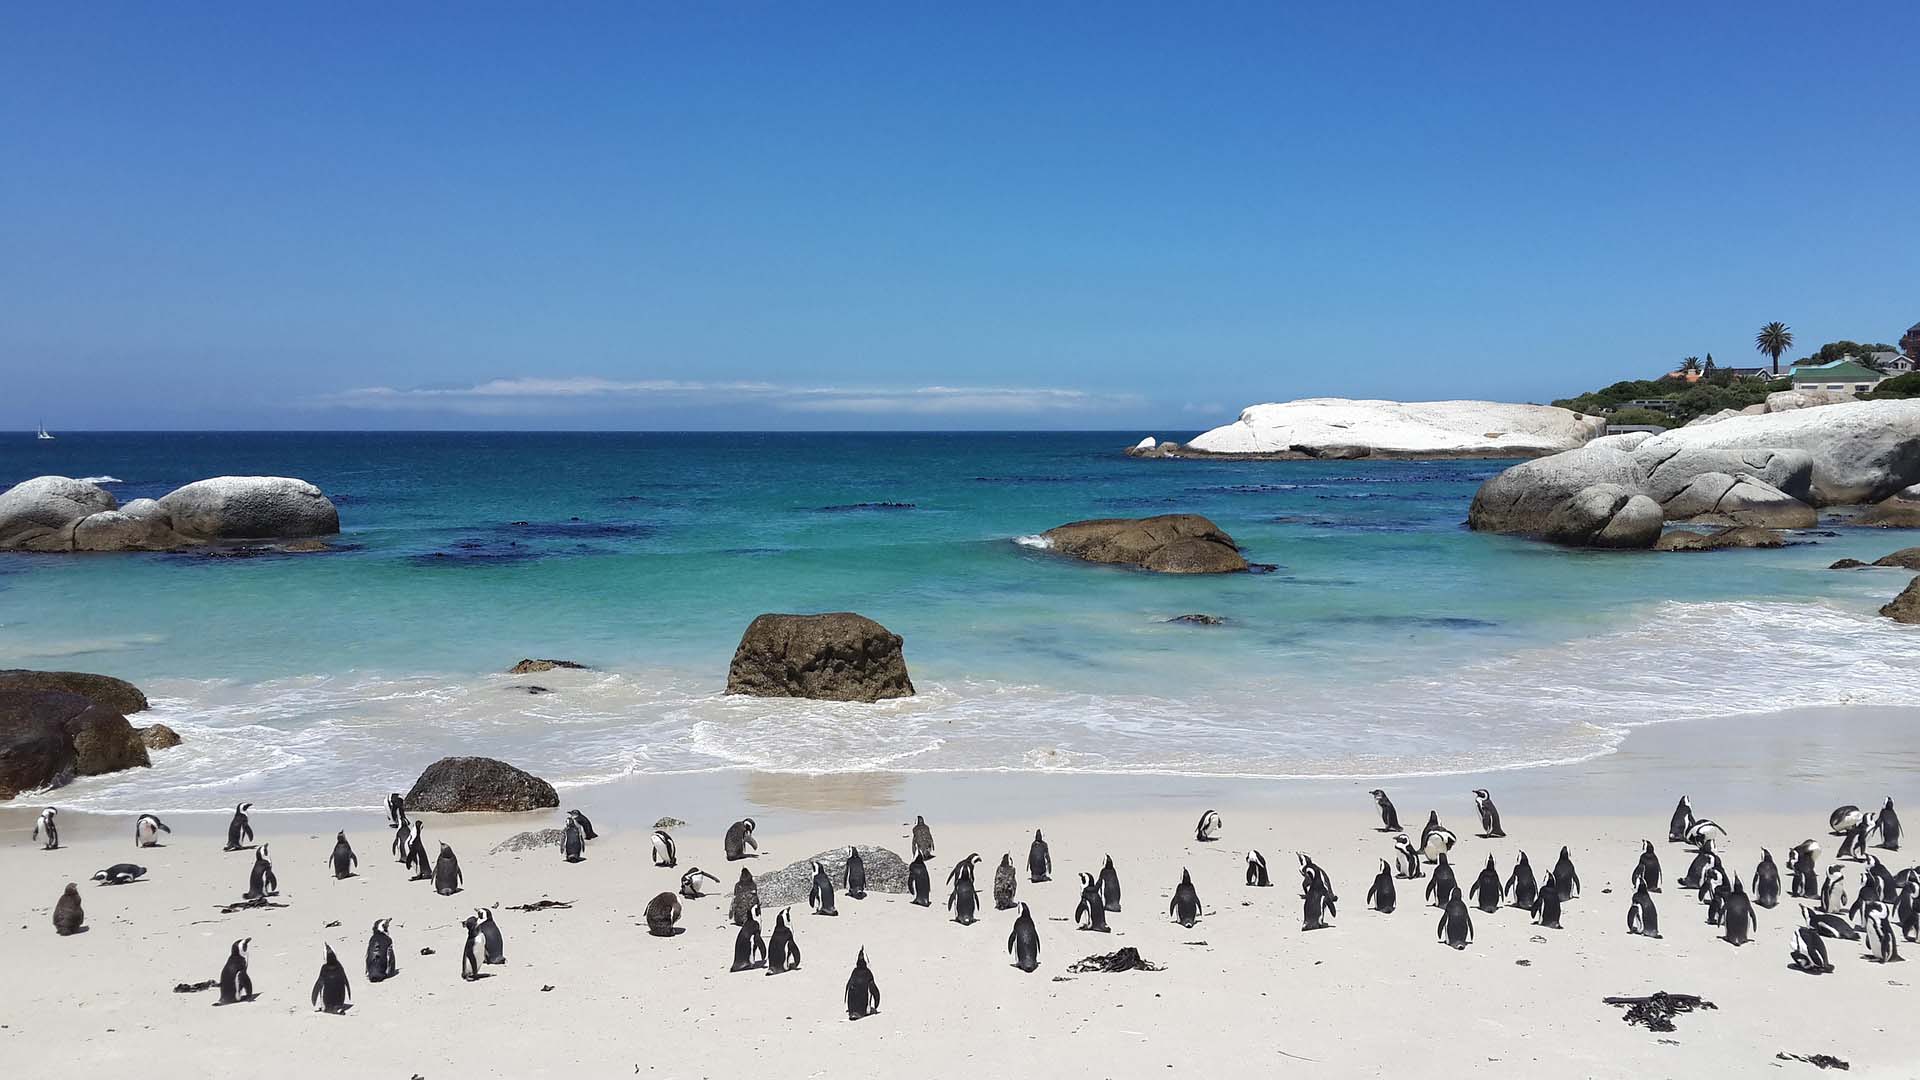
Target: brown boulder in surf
(1164, 544)
(836, 656)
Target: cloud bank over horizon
(558, 396)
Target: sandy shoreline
(1372, 995)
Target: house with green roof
(1846, 375)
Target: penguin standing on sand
(1039, 860)
(1907, 909)
(490, 935)
(1257, 870)
(396, 811)
(694, 883)
(239, 830)
(49, 834)
(863, 994)
(1486, 891)
(923, 838)
(1311, 875)
(1843, 819)
(739, 838)
(1809, 953)
(1546, 905)
(1647, 870)
(665, 851)
(403, 840)
(1681, 821)
(663, 911)
(447, 877)
(1389, 817)
(1854, 845)
(1185, 905)
(749, 949)
(382, 962)
(1442, 883)
(1802, 865)
(820, 894)
(782, 953)
(1316, 905)
(1110, 885)
(1024, 941)
(261, 882)
(1380, 895)
(1436, 839)
(120, 874)
(472, 954)
(856, 874)
(919, 882)
(1406, 859)
(343, 859)
(235, 984)
(68, 915)
(331, 993)
(1005, 881)
(417, 859)
(1489, 815)
(1091, 912)
(1883, 946)
(1566, 880)
(1889, 826)
(1766, 881)
(1835, 898)
(1209, 827)
(1456, 925)
(573, 843)
(964, 900)
(1703, 862)
(1736, 918)
(586, 826)
(1642, 919)
(147, 829)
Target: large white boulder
(141, 525)
(1861, 451)
(1345, 427)
(39, 514)
(250, 508)
(57, 513)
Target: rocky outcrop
(1605, 516)
(1905, 608)
(48, 737)
(56, 513)
(117, 694)
(1788, 400)
(1719, 499)
(529, 667)
(1898, 511)
(1904, 559)
(456, 785)
(886, 873)
(1861, 451)
(1344, 428)
(1166, 544)
(158, 737)
(1571, 498)
(837, 656)
(1725, 414)
(1738, 536)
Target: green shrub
(1900, 386)
(1634, 417)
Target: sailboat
(43, 430)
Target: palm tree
(1690, 365)
(1774, 339)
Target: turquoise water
(1386, 639)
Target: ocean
(1386, 640)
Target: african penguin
(1681, 822)
(343, 859)
(923, 838)
(1039, 860)
(856, 874)
(1489, 815)
(1316, 905)
(330, 990)
(1889, 827)
(586, 826)
(68, 915)
(1566, 880)
(1185, 905)
(863, 994)
(235, 984)
(1703, 861)
(1829, 925)
(1642, 919)
(1406, 859)
(573, 843)
(1809, 953)
(1883, 945)
(963, 901)
(1380, 895)
(396, 811)
(1705, 833)
(1546, 905)
(820, 893)
(1843, 819)
(403, 840)
(782, 953)
(1456, 925)
(382, 961)
(1736, 917)
(1436, 839)
(239, 830)
(693, 883)
(1854, 846)
(1091, 912)
(1907, 909)
(665, 851)
(1209, 827)
(1110, 885)
(1024, 941)
(739, 838)
(1834, 894)
(919, 883)
(1005, 881)
(447, 877)
(746, 899)
(1521, 885)
(1389, 817)
(1766, 881)
(261, 882)
(490, 934)
(147, 829)
(1647, 870)
(43, 827)
(1802, 865)
(1442, 883)
(1257, 870)
(472, 953)
(120, 874)
(1311, 875)
(749, 949)
(664, 910)
(417, 856)
(1486, 890)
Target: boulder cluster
(56, 725)
(58, 513)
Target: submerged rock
(158, 737)
(1738, 536)
(47, 737)
(1904, 559)
(529, 667)
(1901, 510)
(1198, 619)
(886, 873)
(1847, 564)
(455, 785)
(117, 694)
(836, 656)
(1905, 608)
(1165, 544)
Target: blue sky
(751, 215)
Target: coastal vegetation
(1682, 400)
(1774, 339)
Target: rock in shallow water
(458, 784)
(837, 656)
(1738, 536)
(1905, 608)
(117, 694)
(886, 873)
(48, 737)
(1165, 543)
(158, 737)
(529, 667)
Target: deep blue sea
(1389, 640)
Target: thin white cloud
(567, 394)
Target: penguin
(417, 860)
(1091, 912)
(1889, 827)
(1024, 941)
(1442, 884)
(1854, 846)
(856, 874)
(1702, 863)
(664, 910)
(1705, 833)
(693, 883)
(919, 883)
(739, 838)
(490, 934)
(472, 954)
(382, 962)
(1389, 817)
(782, 953)
(1566, 880)
(447, 877)
(1315, 906)
(1110, 886)
(1766, 881)
(1843, 819)
(746, 899)
(820, 895)
(120, 874)
(235, 984)
(1486, 890)
(923, 838)
(573, 843)
(1736, 918)
(1005, 881)
(147, 829)
(331, 993)
(1209, 827)
(1883, 945)
(1257, 870)
(586, 826)
(1380, 895)
(1868, 895)
(1809, 953)
(1406, 859)
(665, 851)
(1907, 909)
(1827, 925)
(863, 994)
(1834, 895)
(261, 882)
(1039, 860)
(1489, 815)
(396, 811)
(1713, 882)
(1185, 905)
(1642, 919)
(1801, 864)
(1436, 839)
(343, 859)
(1647, 870)
(49, 834)
(1456, 925)
(239, 830)
(1889, 885)
(1311, 875)
(963, 901)
(68, 915)
(749, 949)
(1546, 904)
(1681, 821)
(403, 840)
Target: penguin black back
(1566, 880)
(1039, 860)
(447, 878)
(863, 993)
(1110, 885)
(1380, 895)
(236, 985)
(1024, 941)
(1641, 917)
(331, 993)
(1005, 881)
(1091, 912)
(1521, 887)
(1456, 924)
(381, 962)
(783, 954)
(964, 900)
(261, 882)
(746, 899)
(1647, 870)
(1486, 889)
(820, 895)
(1185, 905)
(343, 859)
(1889, 826)
(1442, 884)
(749, 950)
(1546, 905)
(573, 842)
(856, 874)
(68, 915)
(919, 882)
(1766, 881)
